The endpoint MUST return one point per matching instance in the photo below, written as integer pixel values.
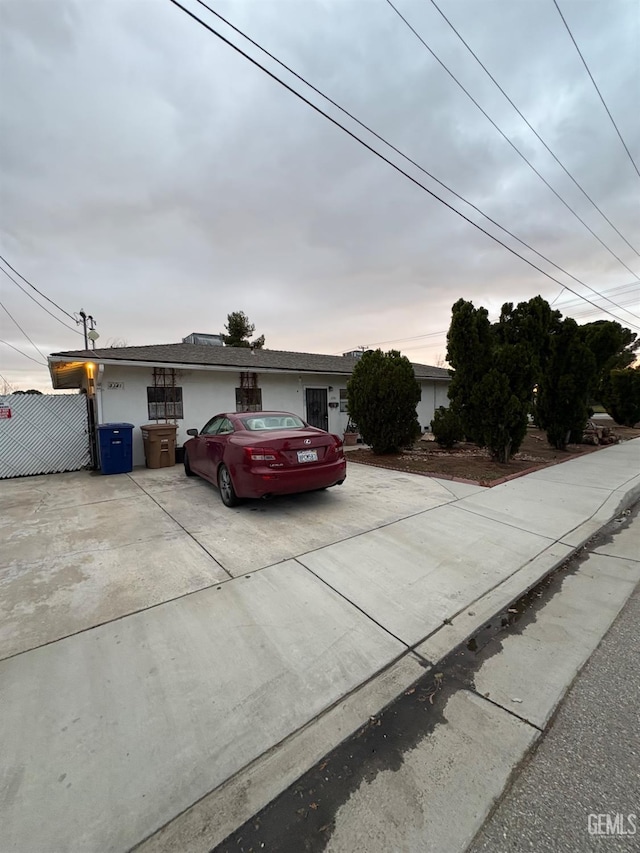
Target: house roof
(240, 357)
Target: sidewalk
(424, 774)
(193, 714)
(581, 788)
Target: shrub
(382, 396)
(622, 400)
(446, 427)
(563, 391)
(504, 424)
(493, 381)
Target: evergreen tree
(382, 395)
(569, 372)
(239, 330)
(622, 399)
(492, 385)
(613, 347)
(531, 324)
(469, 352)
(446, 427)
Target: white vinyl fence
(43, 434)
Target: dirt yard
(467, 462)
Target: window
(273, 422)
(164, 403)
(248, 399)
(343, 399)
(211, 428)
(217, 426)
(248, 395)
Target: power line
(7, 344)
(26, 292)
(532, 129)
(405, 156)
(506, 138)
(6, 383)
(622, 288)
(573, 306)
(394, 165)
(577, 304)
(400, 340)
(6, 310)
(621, 291)
(413, 338)
(564, 307)
(44, 296)
(569, 304)
(432, 346)
(595, 86)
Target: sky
(158, 180)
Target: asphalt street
(579, 788)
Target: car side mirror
(193, 432)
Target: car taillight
(260, 454)
(337, 445)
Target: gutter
(99, 393)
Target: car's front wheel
(225, 485)
(187, 467)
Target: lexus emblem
(307, 441)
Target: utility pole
(84, 326)
(92, 334)
(92, 326)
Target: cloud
(155, 178)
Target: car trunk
(296, 447)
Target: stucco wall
(206, 393)
(434, 394)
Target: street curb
(219, 813)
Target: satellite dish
(93, 335)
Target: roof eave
(233, 368)
(228, 368)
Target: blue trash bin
(115, 442)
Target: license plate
(307, 456)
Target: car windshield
(272, 422)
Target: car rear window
(272, 422)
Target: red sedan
(260, 454)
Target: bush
(382, 396)
(623, 396)
(446, 427)
(504, 425)
(494, 374)
(563, 391)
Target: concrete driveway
(254, 639)
(82, 549)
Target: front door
(318, 408)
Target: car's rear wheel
(187, 467)
(225, 485)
